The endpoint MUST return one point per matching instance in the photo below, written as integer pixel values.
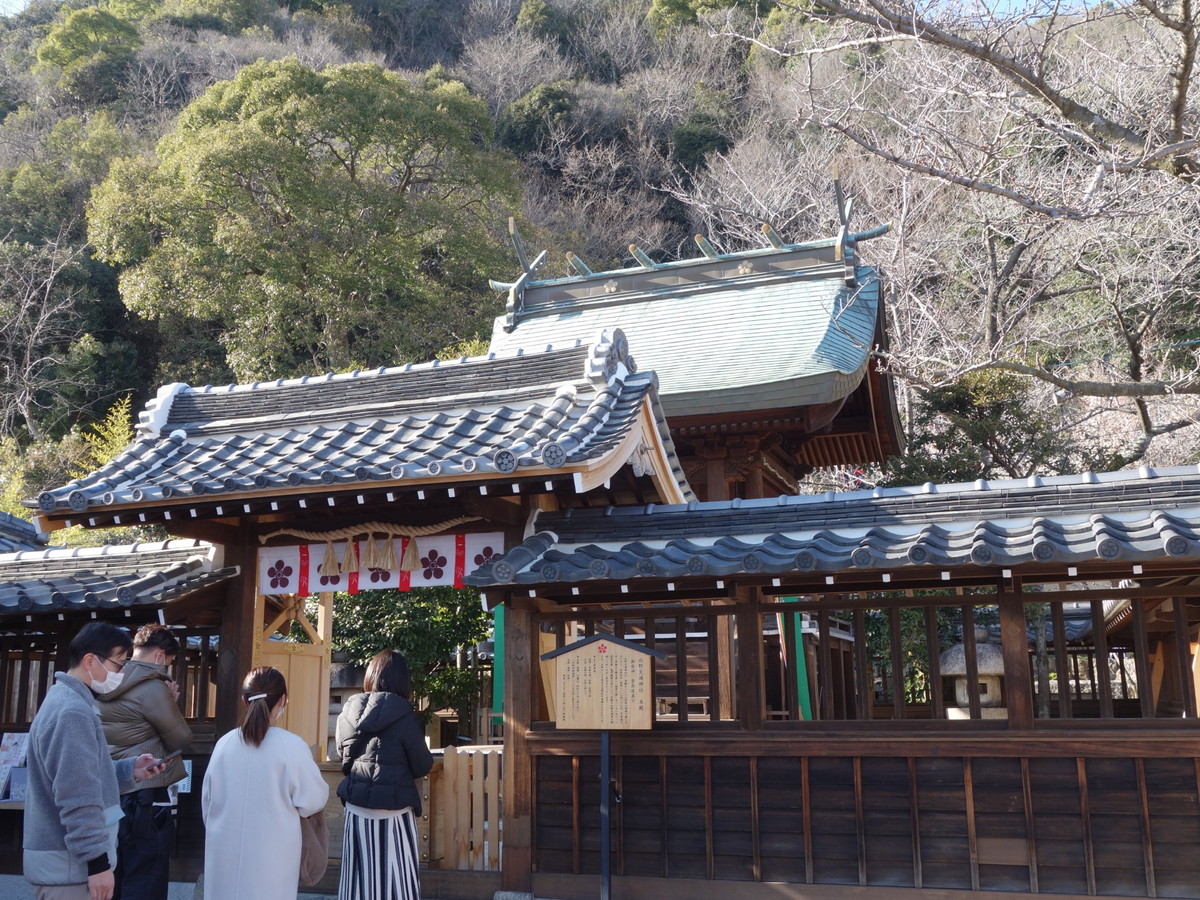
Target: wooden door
(305, 666)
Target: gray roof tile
(1132, 516)
(17, 534)
(490, 416)
(61, 579)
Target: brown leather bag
(314, 848)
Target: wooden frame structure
(1087, 786)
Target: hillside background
(223, 190)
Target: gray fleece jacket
(73, 799)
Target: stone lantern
(989, 665)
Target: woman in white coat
(260, 780)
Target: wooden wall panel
(781, 819)
(888, 822)
(1105, 826)
(686, 831)
(1058, 826)
(835, 843)
(1174, 813)
(733, 831)
(642, 838)
(942, 817)
(1002, 845)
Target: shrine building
(940, 690)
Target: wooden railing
(465, 809)
(28, 663)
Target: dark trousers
(145, 837)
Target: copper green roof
(765, 329)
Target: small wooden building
(1086, 784)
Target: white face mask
(112, 681)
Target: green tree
(326, 219)
(985, 425)
(527, 121)
(106, 438)
(90, 48)
(540, 18)
(667, 14)
(227, 16)
(428, 626)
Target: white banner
(440, 559)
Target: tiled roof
(17, 534)
(63, 579)
(765, 329)
(502, 416)
(1132, 516)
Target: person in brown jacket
(141, 715)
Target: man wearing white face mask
(73, 804)
(141, 715)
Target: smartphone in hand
(170, 757)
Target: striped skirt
(380, 858)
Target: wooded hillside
(220, 190)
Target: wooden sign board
(605, 683)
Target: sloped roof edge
(1132, 517)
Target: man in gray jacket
(141, 715)
(72, 805)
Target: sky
(8, 7)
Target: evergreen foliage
(328, 220)
(527, 122)
(428, 626)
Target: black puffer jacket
(383, 752)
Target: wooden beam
(1030, 826)
(914, 806)
(864, 697)
(896, 642)
(749, 681)
(516, 872)
(933, 643)
(970, 655)
(1183, 657)
(1014, 645)
(1147, 831)
(755, 816)
(1085, 814)
(238, 630)
(1101, 683)
(972, 835)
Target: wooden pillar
(749, 657)
(238, 631)
(754, 482)
(715, 488)
(1014, 643)
(520, 669)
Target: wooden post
(1014, 643)
(516, 872)
(749, 657)
(238, 631)
(714, 483)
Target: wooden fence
(465, 809)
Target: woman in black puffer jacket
(383, 753)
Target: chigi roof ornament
(630, 280)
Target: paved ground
(14, 887)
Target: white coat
(252, 802)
